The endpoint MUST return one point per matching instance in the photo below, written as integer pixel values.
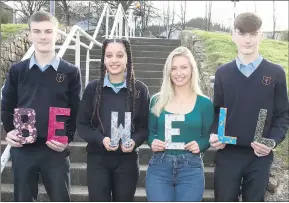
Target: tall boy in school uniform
(244, 86)
(41, 82)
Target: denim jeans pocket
(194, 161)
(155, 159)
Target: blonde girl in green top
(179, 122)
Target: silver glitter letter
(120, 132)
(169, 131)
(259, 130)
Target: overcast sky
(223, 11)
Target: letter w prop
(120, 132)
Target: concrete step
(152, 47)
(93, 72)
(80, 194)
(136, 49)
(146, 81)
(156, 41)
(78, 153)
(149, 67)
(143, 41)
(153, 90)
(135, 53)
(78, 175)
(151, 60)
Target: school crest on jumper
(266, 80)
(60, 77)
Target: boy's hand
(214, 142)
(56, 146)
(12, 139)
(260, 149)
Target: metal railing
(116, 30)
(76, 31)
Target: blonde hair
(166, 93)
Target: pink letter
(54, 125)
(29, 125)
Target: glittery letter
(120, 132)
(259, 130)
(54, 125)
(221, 129)
(29, 125)
(169, 131)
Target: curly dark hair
(130, 81)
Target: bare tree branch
(125, 4)
(206, 16)
(274, 20)
(169, 20)
(66, 7)
(183, 14)
(209, 16)
(146, 14)
(27, 8)
(150, 14)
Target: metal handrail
(105, 11)
(76, 30)
(70, 35)
(118, 19)
(69, 38)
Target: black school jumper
(243, 97)
(112, 172)
(32, 88)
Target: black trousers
(52, 166)
(112, 177)
(239, 167)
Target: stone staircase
(149, 56)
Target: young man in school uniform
(244, 86)
(39, 83)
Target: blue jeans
(175, 178)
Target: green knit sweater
(196, 126)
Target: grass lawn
(8, 29)
(220, 49)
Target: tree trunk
(206, 17)
(210, 16)
(274, 20)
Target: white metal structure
(116, 32)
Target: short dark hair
(247, 22)
(41, 16)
